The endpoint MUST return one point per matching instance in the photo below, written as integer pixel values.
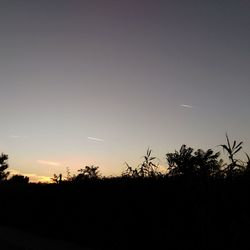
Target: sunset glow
(93, 82)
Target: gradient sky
(97, 82)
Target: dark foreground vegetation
(200, 203)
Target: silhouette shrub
(148, 168)
(87, 173)
(19, 179)
(188, 163)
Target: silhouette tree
(19, 179)
(89, 172)
(207, 163)
(182, 162)
(199, 163)
(3, 166)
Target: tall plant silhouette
(232, 149)
(148, 168)
(130, 172)
(3, 166)
(68, 177)
(56, 178)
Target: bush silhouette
(89, 172)
(182, 162)
(207, 163)
(19, 179)
(200, 163)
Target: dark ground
(126, 214)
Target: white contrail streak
(95, 139)
(186, 106)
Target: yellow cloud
(162, 169)
(33, 177)
(39, 178)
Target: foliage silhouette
(140, 211)
(207, 163)
(246, 164)
(19, 179)
(235, 167)
(68, 177)
(148, 168)
(56, 179)
(89, 172)
(3, 166)
(182, 162)
(130, 172)
(188, 163)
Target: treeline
(199, 202)
(184, 163)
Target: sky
(98, 82)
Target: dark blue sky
(130, 73)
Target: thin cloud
(16, 136)
(186, 106)
(95, 139)
(51, 163)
